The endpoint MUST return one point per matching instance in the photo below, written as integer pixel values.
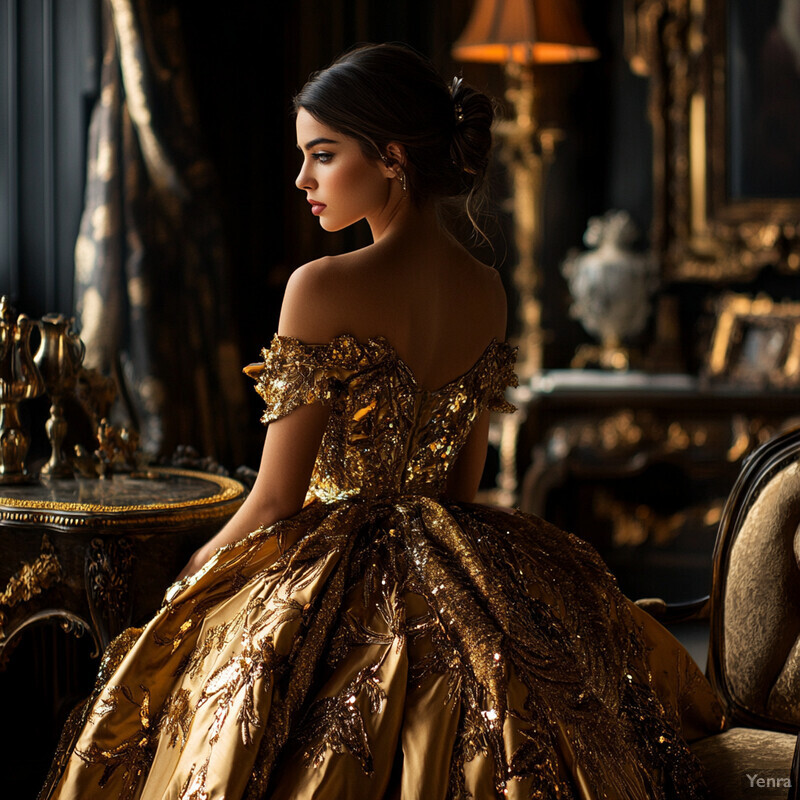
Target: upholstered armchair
(754, 645)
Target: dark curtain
(152, 278)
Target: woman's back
(436, 305)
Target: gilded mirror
(725, 109)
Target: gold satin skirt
(399, 648)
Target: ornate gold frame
(738, 313)
(698, 231)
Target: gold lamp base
(519, 34)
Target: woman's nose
(304, 179)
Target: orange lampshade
(525, 31)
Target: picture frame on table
(756, 341)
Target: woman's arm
(465, 475)
(292, 442)
(287, 461)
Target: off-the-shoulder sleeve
(502, 376)
(292, 374)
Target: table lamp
(520, 34)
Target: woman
(359, 629)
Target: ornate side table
(638, 464)
(97, 555)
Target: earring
(401, 176)
(399, 172)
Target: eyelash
(323, 158)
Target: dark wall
(49, 53)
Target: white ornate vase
(611, 287)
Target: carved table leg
(29, 582)
(109, 564)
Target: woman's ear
(395, 155)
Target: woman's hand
(197, 561)
(290, 449)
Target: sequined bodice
(385, 436)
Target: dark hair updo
(385, 93)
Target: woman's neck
(405, 219)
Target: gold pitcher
(58, 358)
(19, 380)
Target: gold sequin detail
(178, 717)
(385, 436)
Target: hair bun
(473, 114)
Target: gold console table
(97, 555)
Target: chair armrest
(670, 613)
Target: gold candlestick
(19, 380)
(59, 357)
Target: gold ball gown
(386, 642)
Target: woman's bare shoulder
(343, 293)
(309, 300)
(490, 294)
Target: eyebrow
(319, 140)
